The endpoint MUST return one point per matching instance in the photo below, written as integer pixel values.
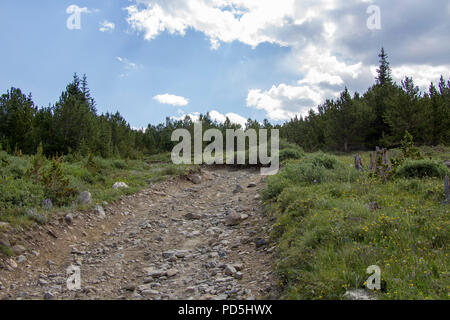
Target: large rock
(120, 185)
(85, 197)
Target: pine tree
(404, 111)
(384, 71)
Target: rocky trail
(201, 239)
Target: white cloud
(215, 116)
(254, 22)
(106, 26)
(284, 101)
(171, 100)
(128, 66)
(329, 42)
(127, 63)
(233, 117)
(195, 116)
(422, 75)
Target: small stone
(18, 249)
(120, 185)
(156, 273)
(230, 270)
(69, 218)
(42, 282)
(129, 287)
(100, 212)
(260, 242)
(193, 216)
(238, 275)
(239, 266)
(238, 189)
(49, 296)
(12, 263)
(21, 259)
(180, 254)
(251, 185)
(196, 179)
(190, 290)
(168, 254)
(172, 272)
(233, 219)
(149, 292)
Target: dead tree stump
(379, 162)
(358, 163)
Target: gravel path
(174, 240)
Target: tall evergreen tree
(16, 119)
(384, 70)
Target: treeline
(72, 126)
(379, 117)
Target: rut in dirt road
(176, 240)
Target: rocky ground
(203, 238)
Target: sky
(263, 59)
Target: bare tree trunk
(358, 163)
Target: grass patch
(25, 183)
(329, 233)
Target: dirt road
(174, 240)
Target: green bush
(287, 154)
(119, 164)
(19, 192)
(275, 185)
(421, 169)
(57, 185)
(324, 160)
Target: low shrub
(287, 154)
(421, 169)
(19, 192)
